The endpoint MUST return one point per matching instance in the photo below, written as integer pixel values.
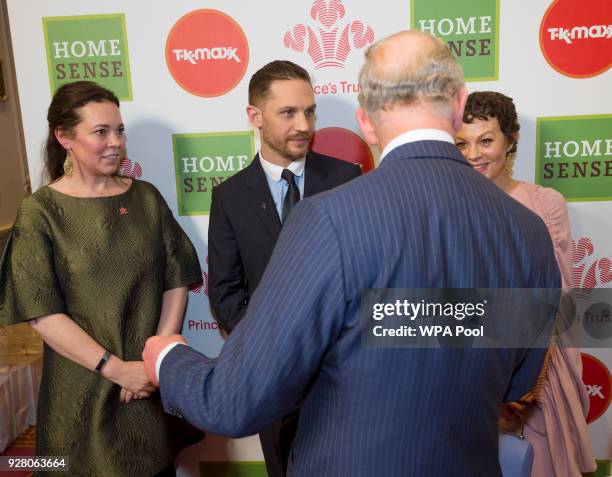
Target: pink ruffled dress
(555, 424)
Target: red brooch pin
(123, 211)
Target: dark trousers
(276, 441)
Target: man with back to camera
(408, 224)
(248, 209)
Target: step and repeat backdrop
(181, 70)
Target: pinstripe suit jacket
(423, 219)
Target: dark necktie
(292, 196)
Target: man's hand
(153, 347)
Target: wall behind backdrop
(181, 70)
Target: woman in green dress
(96, 263)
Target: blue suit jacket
(423, 219)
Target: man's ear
(459, 100)
(366, 126)
(255, 116)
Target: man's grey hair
(387, 79)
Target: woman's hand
(510, 416)
(131, 376)
(127, 396)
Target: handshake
(153, 347)
(138, 379)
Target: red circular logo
(345, 145)
(576, 37)
(207, 53)
(596, 378)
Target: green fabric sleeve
(182, 264)
(28, 283)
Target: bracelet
(103, 361)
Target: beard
(283, 146)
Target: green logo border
(251, 135)
(497, 44)
(121, 16)
(539, 160)
(603, 469)
(240, 468)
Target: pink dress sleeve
(550, 205)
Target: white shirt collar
(275, 171)
(416, 135)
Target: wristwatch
(105, 358)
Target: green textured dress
(105, 262)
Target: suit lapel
(261, 199)
(315, 180)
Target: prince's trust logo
(589, 271)
(129, 169)
(329, 43)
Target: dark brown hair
(64, 115)
(491, 104)
(275, 71)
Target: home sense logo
(89, 47)
(470, 28)
(207, 53)
(576, 38)
(574, 156)
(202, 161)
(329, 42)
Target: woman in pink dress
(554, 414)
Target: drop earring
(68, 165)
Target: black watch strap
(105, 358)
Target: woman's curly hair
(491, 104)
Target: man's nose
(302, 122)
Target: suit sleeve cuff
(162, 355)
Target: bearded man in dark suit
(248, 209)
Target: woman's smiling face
(485, 147)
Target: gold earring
(509, 164)
(68, 165)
